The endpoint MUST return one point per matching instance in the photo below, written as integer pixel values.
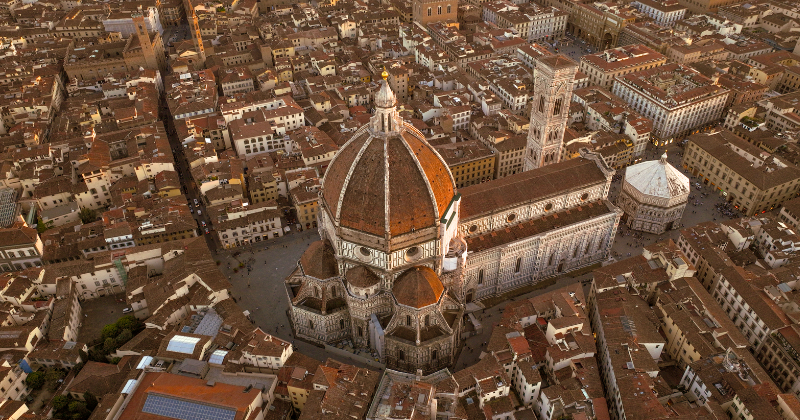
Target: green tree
(41, 226)
(79, 411)
(53, 375)
(87, 215)
(35, 380)
(96, 354)
(110, 331)
(91, 400)
(60, 402)
(109, 345)
(124, 337)
(129, 322)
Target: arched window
(360, 332)
(448, 9)
(541, 104)
(519, 265)
(480, 276)
(429, 11)
(401, 355)
(311, 324)
(439, 10)
(427, 320)
(408, 320)
(317, 293)
(333, 291)
(434, 355)
(341, 324)
(557, 107)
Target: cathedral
(402, 252)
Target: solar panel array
(182, 344)
(185, 410)
(217, 357)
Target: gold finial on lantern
(385, 75)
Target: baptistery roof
(657, 178)
(387, 183)
(418, 287)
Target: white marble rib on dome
(657, 178)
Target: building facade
(678, 99)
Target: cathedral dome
(418, 287)
(387, 183)
(360, 276)
(319, 260)
(657, 178)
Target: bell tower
(553, 79)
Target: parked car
(127, 310)
(203, 223)
(207, 231)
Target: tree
(124, 337)
(52, 377)
(79, 410)
(41, 226)
(60, 402)
(110, 331)
(35, 380)
(87, 215)
(91, 400)
(109, 345)
(129, 322)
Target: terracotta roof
(418, 287)
(416, 178)
(319, 260)
(360, 276)
(511, 191)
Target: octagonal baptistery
(654, 196)
(389, 212)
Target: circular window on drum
(364, 253)
(511, 217)
(413, 254)
(473, 228)
(585, 197)
(548, 206)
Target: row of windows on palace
(438, 10)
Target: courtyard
(99, 312)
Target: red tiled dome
(391, 184)
(418, 287)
